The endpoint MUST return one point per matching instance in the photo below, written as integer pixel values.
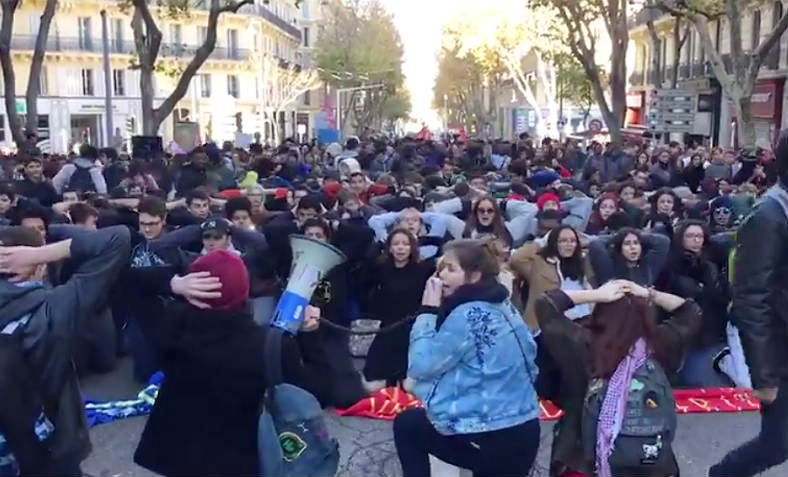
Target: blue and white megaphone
(312, 260)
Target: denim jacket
(474, 370)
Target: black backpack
(649, 423)
(81, 180)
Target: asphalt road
(367, 446)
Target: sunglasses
(486, 211)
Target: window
(256, 88)
(117, 35)
(232, 86)
(306, 37)
(35, 24)
(87, 83)
(43, 82)
(176, 34)
(2, 128)
(85, 36)
(756, 29)
(205, 86)
(307, 98)
(119, 82)
(256, 42)
(232, 43)
(663, 59)
(202, 34)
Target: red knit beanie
(231, 271)
(548, 197)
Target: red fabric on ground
(387, 403)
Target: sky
(420, 23)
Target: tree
(282, 85)
(738, 83)
(34, 77)
(573, 84)
(458, 90)
(585, 21)
(147, 42)
(499, 35)
(360, 46)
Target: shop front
(766, 107)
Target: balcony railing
(270, 16)
(93, 45)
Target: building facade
(714, 115)
(223, 98)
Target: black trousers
(506, 452)
(767, 449)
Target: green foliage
(573, 84)
(359, 44)
(397, 106)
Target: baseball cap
(215, 228)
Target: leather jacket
(760, 289)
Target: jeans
(698, 369)
(506, 452)
(767, 449)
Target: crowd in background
(524, 219)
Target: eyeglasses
(486, 211)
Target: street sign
(672, 110)
(21, 106)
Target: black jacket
(760, 289)
(57, 315)
(204, 421)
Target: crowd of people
(500, 272)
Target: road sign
(672, 110)
(21, 106)
(595, 125)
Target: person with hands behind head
(213, 356)
(623, 325)
(471, 360)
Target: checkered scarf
(614, 405)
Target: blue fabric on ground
(101, 412)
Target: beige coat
(541, 274)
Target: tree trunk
(34, 80)
(9, 78)
(150, 125)
(656, 53)
(745, 123)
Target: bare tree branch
(34, 83)
(9, 79)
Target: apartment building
(715, 117)
(223, 98)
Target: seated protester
(471, 360)
(395, 282)
(278, 230)
(629, 254)
(358, 185)
(721, 217)
(35, 186)
(256, 195)
(46, 319)
(633, 202)
(7, 201)
(138, 178)
(332, 297)
(604, 208)
(198, 209)
(213, 357)
(622, 336)
(428, 227)
(81, 174)
(238, 210)
(690, 272)
(350, 206)
(83, 215)
(666, 212)
(192, 173)
(556, 262)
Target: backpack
(292, 439)
(648, 426)
(81, 180)
(23, 423)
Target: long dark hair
(618, 241)
(678, 208)
(385, 256)
(615, 327)
(498, 226)
(571, 267)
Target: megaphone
(312, 260)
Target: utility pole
(107, 81)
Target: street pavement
(367, 446)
